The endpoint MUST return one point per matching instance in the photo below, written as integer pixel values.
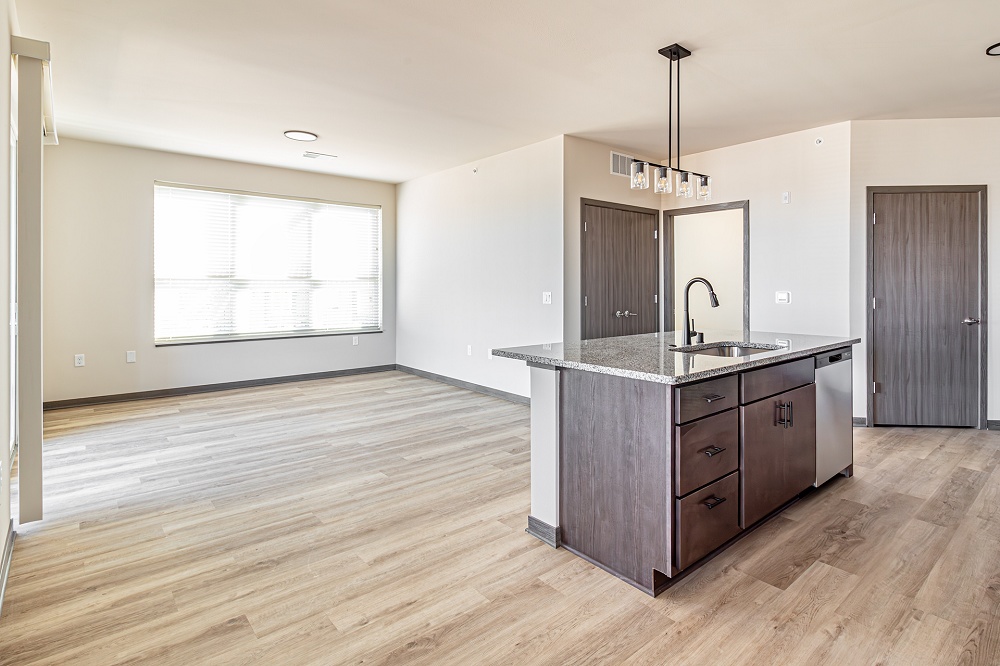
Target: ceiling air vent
(621, 164)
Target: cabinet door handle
(714, 502)
(781, 414)
(715, 450)
(714, 397)
(791, 416)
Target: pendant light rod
(689, 182)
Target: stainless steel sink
(726, 349)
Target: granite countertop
(651, 357)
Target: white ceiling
(399, 89)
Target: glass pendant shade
(640, 176)
(663, 181)
(705, 187)
(685, 188)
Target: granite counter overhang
(651, 356)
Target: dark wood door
(620, 260)
(778, 456)
(925, 281)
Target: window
(236, 266)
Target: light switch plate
(546, 298)
(354, 340)
(130, 357)
(786, 197)
(783, 297)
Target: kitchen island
(649, 456)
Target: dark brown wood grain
(701, 529)
(925, 281)
(694, 467)
(614, 490)
(693, 401)
(619, 265)
(776, 463)
(759, 384)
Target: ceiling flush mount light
(689, 183)
(994, 50)
(300, 135)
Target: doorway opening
(713, 242)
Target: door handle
(618, 314)
(631, 314)
(969, 321)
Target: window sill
(259, 338)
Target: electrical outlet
(783, 297)
(468, 350)
(130, 357)
(546, 298)
(79, 361)
(489, 354)
(781, 342)
(354, 341)
(786, 197)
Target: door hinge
(874, 387)
(656, 298)
(584, 226)
(873, 302)
(873, 217)
(584, 301)
(654, 234)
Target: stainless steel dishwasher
(834, 415)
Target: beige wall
(710, 245)
(8, 18)
(98, 279)
(803, 246)
(587, 175)
(925, 152)
(478, 244)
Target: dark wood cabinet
(778, 451)
(654, 478)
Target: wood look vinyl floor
(379, 519)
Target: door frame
(872, 190)
(668, 255)
(584, 202)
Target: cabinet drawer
(706, 450)
(759, 384)
(692, 401)
(706, 519)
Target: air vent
(621, 164)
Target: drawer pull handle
(712, 398)
(714, 502)
(715, 450)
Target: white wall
(925, 152)
(478, 244)
(710, 245)
(98, 274)
(8, 26)
(803, 246)
(587, 175)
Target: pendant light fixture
(689, 183)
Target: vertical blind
(231, 265)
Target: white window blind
(230, 265)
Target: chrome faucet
(689, 331)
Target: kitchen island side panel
(615, 481)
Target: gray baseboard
(860, 422)
(208, 388)
(544, 531)
(486, 390)
(993, 425)
(8, 553)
